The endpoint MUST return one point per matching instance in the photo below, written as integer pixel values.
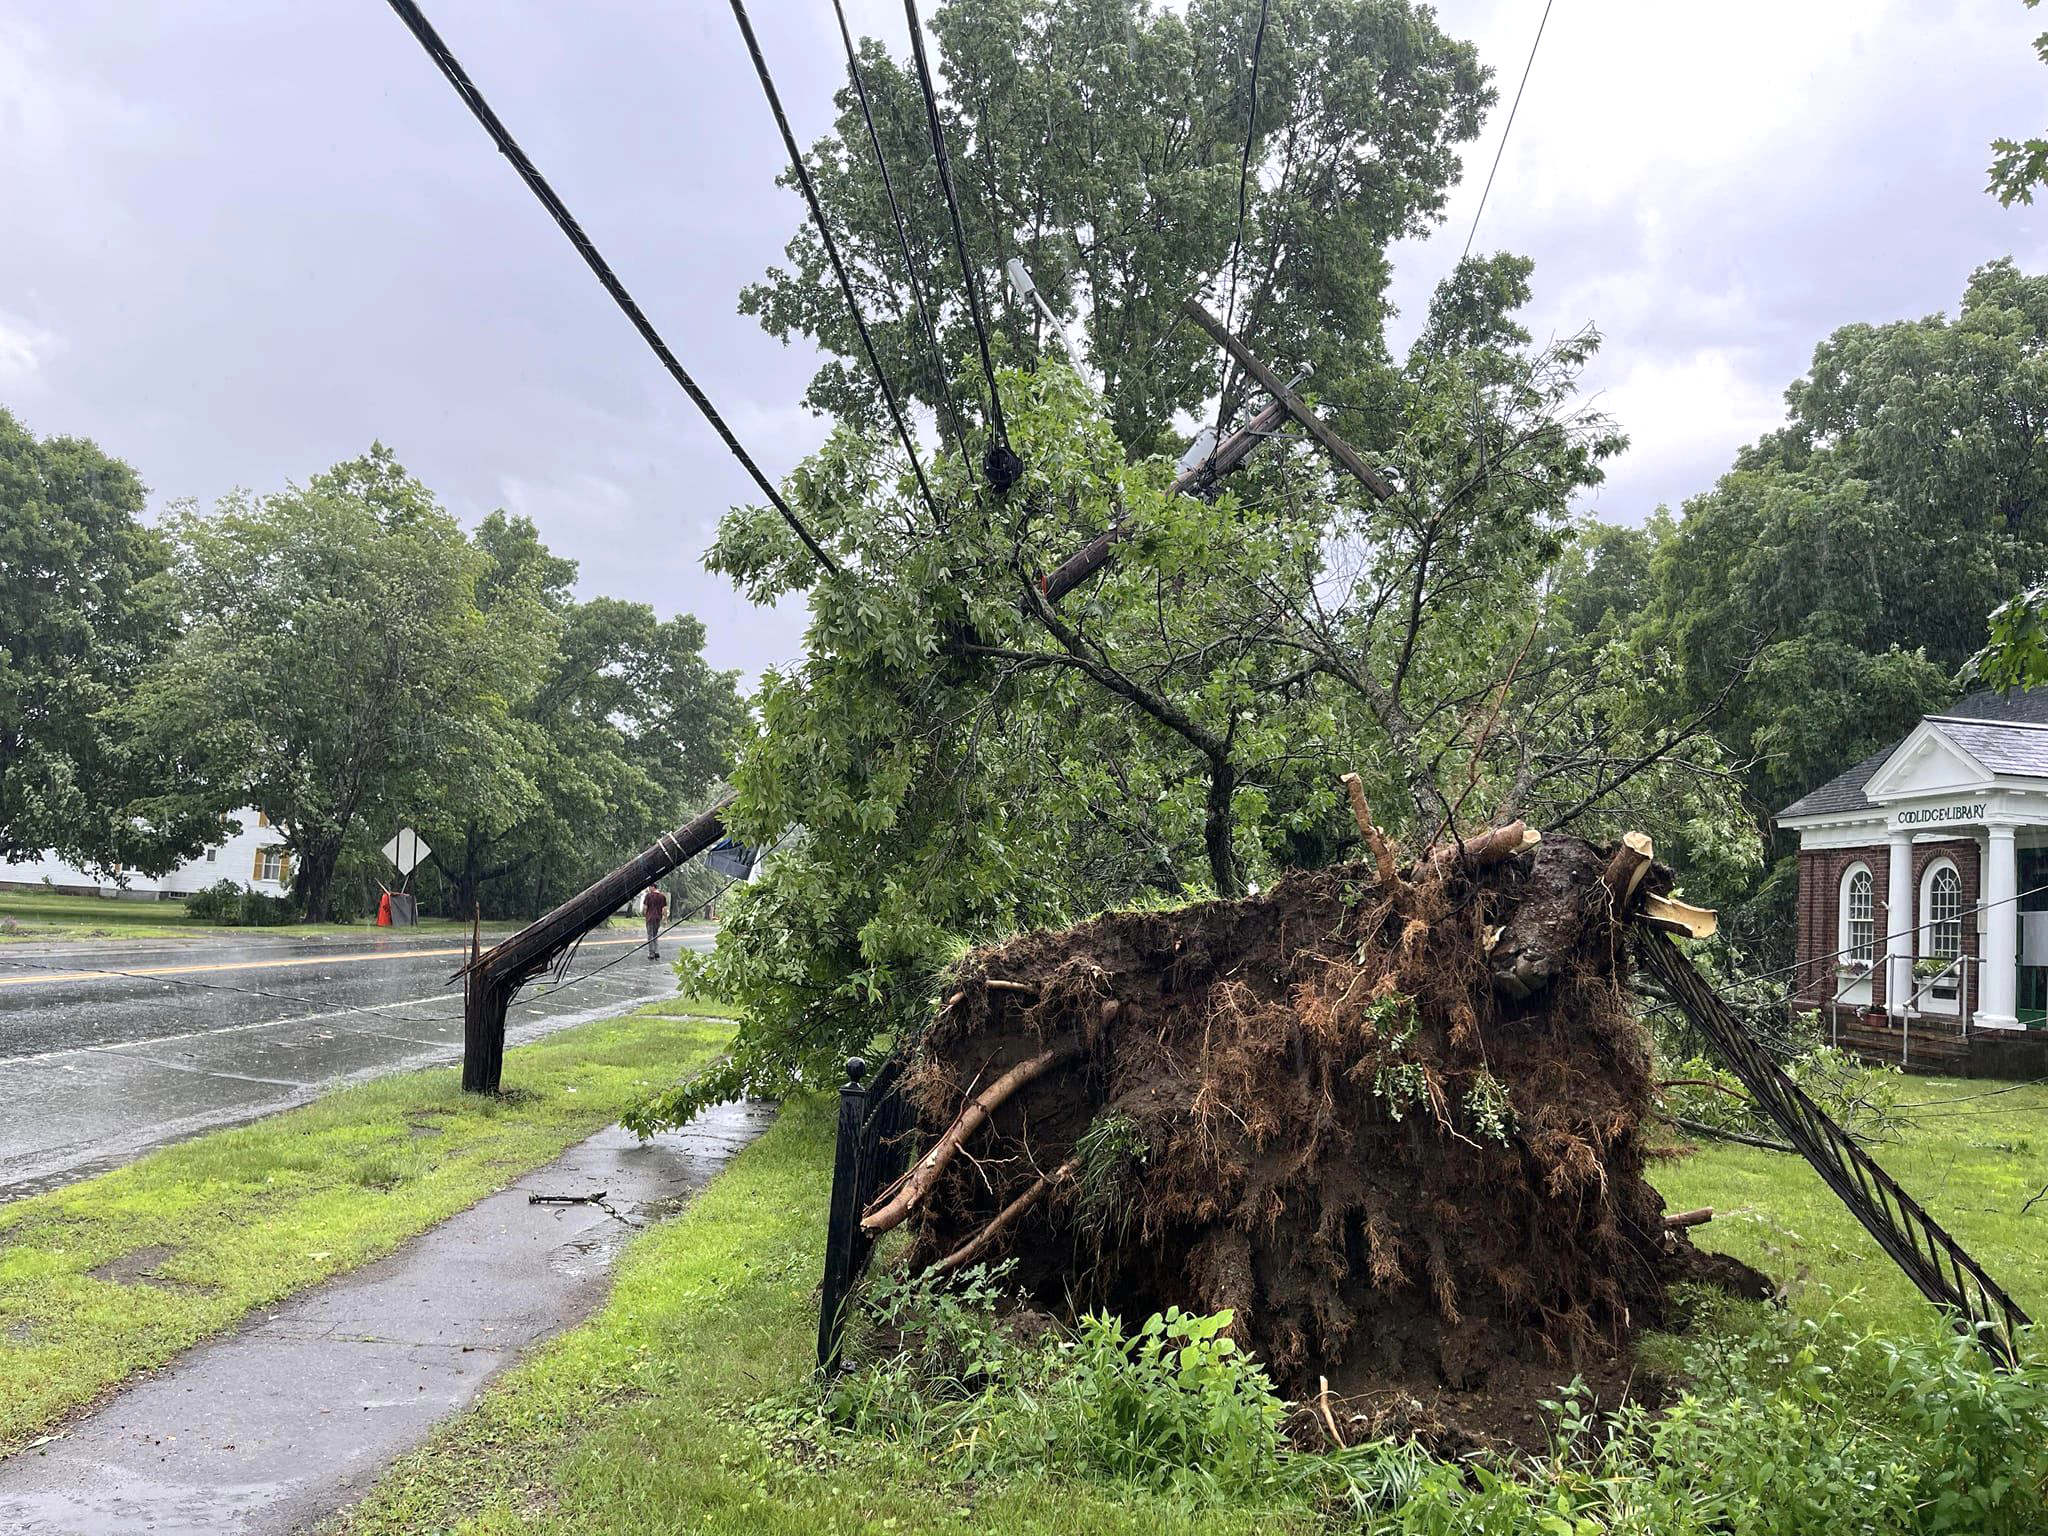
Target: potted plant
(1937, 966)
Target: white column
(1899, 922)
(2000, 984)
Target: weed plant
(1785, 1425)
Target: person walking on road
(654, 907)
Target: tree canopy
(1101, 142)
(84, 607)
(2020, 165)
(1848, 560)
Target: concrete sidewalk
(292, 1417)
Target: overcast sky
(240, 239)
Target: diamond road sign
(406, 850)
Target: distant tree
(621, 731)
(2020, 165)
(1101, 142)
(1849, 558)
(335, 658)
(84, 606)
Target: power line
(1510, 128)
(1244, 176)
(999, 463)
(430, 40)
(803, 177)
(937, 357)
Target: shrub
(226, 903)
(220, 902)
(1787, 1426)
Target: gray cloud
(245, 239)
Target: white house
(1923, 890)
(254, 857)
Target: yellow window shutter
(284, 868)
(257, 872)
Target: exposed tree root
(890, 1213)
(1394, 1126)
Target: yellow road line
(264, 965)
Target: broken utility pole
(1226, 456)
(491, 979)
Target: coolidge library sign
(1923, 886)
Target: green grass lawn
(631, 1422)
(48, 917)
(625, 1424)
(1976, 1153)
(241, 1218)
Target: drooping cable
(937, 353)
(1244, 177)
(423, 31)
(999, 464)
(1513, 108)
(810, 191)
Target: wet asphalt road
(108, 1050)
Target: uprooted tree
(1391, 1119)
(959, 755)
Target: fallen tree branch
(1704, 1082)
(1375, 839)
(1698, 1218)
(1716, 1133)
(978, 1244)
(934, 1162)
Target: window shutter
(257, 872)
(284, 868)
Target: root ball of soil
(1395, 1127)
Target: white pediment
(1926, 763)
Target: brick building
(1923, 891)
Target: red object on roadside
(384, 910)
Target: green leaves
(84, 606)
(2017, 167)
(1100, 144)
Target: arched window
(1859, 916)
(1941, 911)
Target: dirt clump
(1392, 1120)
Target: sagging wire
(810, 192)
(937, 354)
(1000, 465)
(1501, 148)
(430, 40)
(1244, 174)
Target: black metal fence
(872, 1149)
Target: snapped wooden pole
(1276, 386)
